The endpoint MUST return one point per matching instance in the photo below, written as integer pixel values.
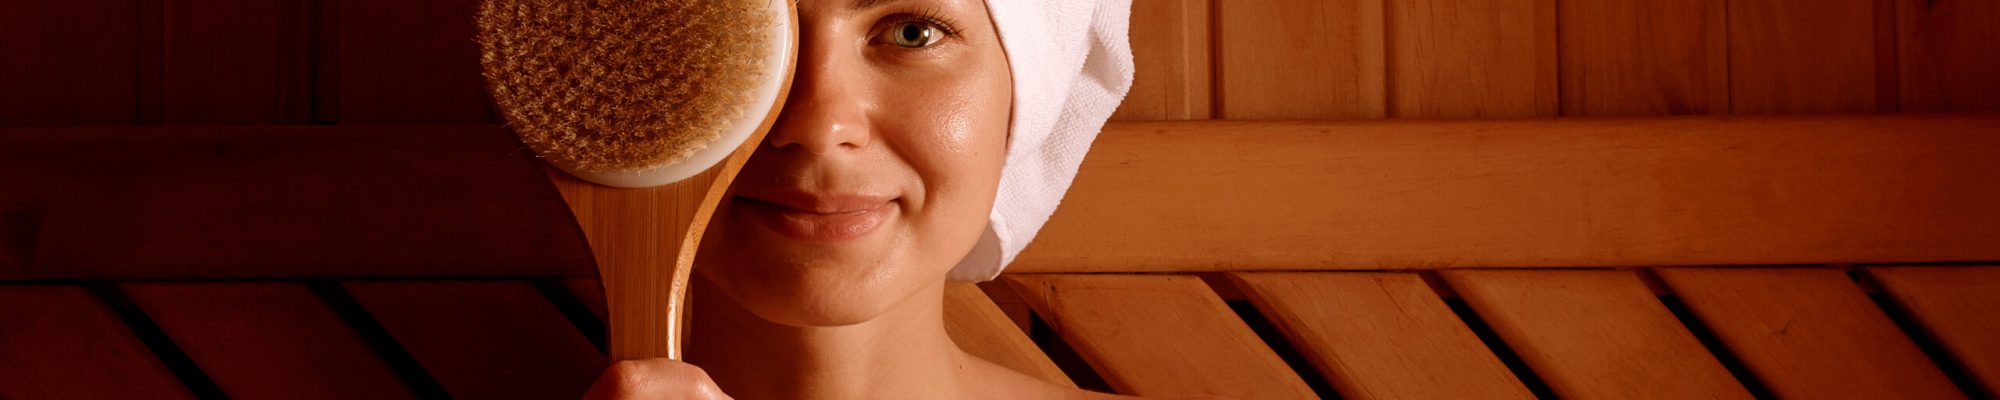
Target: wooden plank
(1643, 57)
(1808, 333)
(590, 291)
(236, 62)
(291, 201)
(1299, 59)
(401, 62)
(1209, 196)
(1802, 56)
(1170, 40)
(79, 62)
(268, 340)
(1380, 335)
(1010, 303)
(1956, 306)
(484, 339)
(1471, 58)
(1948, 52)
(57, 341)
(1160, 335)
(20, 224)
(979, 327)
(1595, 334)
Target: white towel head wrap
(1072, 65)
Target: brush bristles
(620, 85)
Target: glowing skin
(923, 128)
(822, 273)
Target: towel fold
(1072, 64)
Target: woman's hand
(654, 378)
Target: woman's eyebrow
(864, 5)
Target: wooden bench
(1815, 257)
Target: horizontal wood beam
(1424, 194)
(277, 202)
(467, 200)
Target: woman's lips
(819, 218)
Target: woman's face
(879, 175)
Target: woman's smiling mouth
(819, 218)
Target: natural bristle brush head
(635, 93)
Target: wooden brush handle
(644, 239)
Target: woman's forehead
(866, 5)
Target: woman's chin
(809, 286)
(817, 304)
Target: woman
(824, 275)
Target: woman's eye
(914, 34)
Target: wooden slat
(1170, 47)
(69, 62)
(1299, 59)
(1802, 56)
(405, 62)
(442, 200)
(980, 328)
(1380, 335)
(57, 341)
(20, 223)
(1595, 334)
(1808, 333)
(1160, 335)
(1948, 52)
(1644, 57)
(1957, 306)
(252, 202)
(1207, 196)
(1471, 58)
(268, 340)
(236, 62)
(590, 291)
(1010, 303)
(484, 339)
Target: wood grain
(57, 341)
(292, 201)
(1221, 196)
(1808, 333)
(1170, 49)
(484, 339)
(1948, 51)
(445, 200)
(20, 225)
(590, 291)
(1802, 56)
(1955, 306)
(236, 62)
(1160, 335)
(1632, 58)
(268, 340)
(1595, 334)
(1299, 59)
(397, 62)
(1471, 58)
(980, 328)
(69, 62)
(1380, 335)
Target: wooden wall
(209, 62)
(228, 62)
(414, 264)
(1321, 59)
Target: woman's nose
(823, 112)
